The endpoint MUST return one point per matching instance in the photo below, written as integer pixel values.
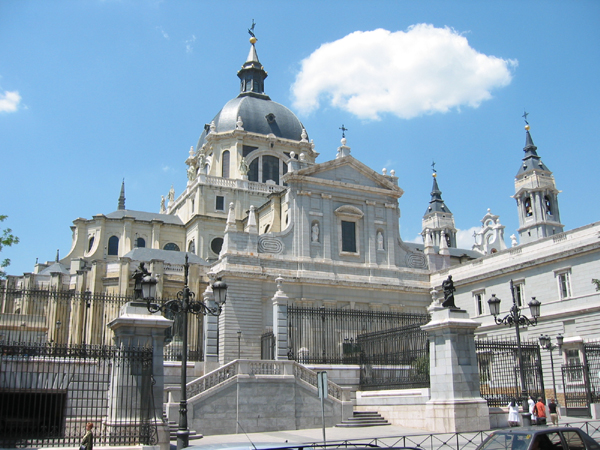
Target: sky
(96, 91)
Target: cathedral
(259, 206)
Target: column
(455, 404)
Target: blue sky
(94, 91)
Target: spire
(531, 160)
(252, 74)
(436, 204)
(122, 196)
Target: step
(364, 419)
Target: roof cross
(344, 129)
(433, 166)
(525, 114)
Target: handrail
(259, 367)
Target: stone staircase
(364, 419)
(174, 426)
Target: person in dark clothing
(553, 408)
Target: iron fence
(393, 359)
(499, 372)
(325, 335)
(444, 441)
(581, 381)
(49, 391)
(66, 317)
(267, 345)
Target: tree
(6, 240)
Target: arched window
(140, 242)
(216, 244)
(225, 164)
(270, 167)
(171, 246)
(113, 245)
(253, 171)
(192, 246)
(527, 206)
(90, 243)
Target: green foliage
(596, 281)
(421, 365)
(6, 240)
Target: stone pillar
(280, 303)
(455, 404)
(211, 330)
(136, 328)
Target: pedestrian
(531, 404)
(87, 443)
(540, 412)
(554, 411)
(513, 413)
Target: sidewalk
(331, 434)
(310, 435)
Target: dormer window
(270, 118)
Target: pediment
(348, 171)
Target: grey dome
(259, 115)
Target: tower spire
(122, 196)
(252, 74)
(438, 218)
(536, 195)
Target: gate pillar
(137, 328)
(280, 321)
(455, 404)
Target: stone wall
(261, 403)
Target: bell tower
(536, 195)
(438, 220)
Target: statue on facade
(171, 194)
(191, 172)
(162, 204)
(448, 287)
(315, 232)
(244, 167)
(379, 240)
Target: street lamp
(514, 317)
(546, 342)
(183, 305)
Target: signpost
(322, 393)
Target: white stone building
(258, 205)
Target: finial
(251, 33)
(344, 129)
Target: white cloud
(189, 48)
(9, 101)
(163, 32)
(465, 239)
(406, 73)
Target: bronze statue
(448, 287)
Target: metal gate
(577, 398)
(394, 359)
(48, 392)
(499, 372)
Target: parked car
(535, 438)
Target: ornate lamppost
(183, 305)
(514, 317)
(546, 342)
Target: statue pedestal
(456, 404)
